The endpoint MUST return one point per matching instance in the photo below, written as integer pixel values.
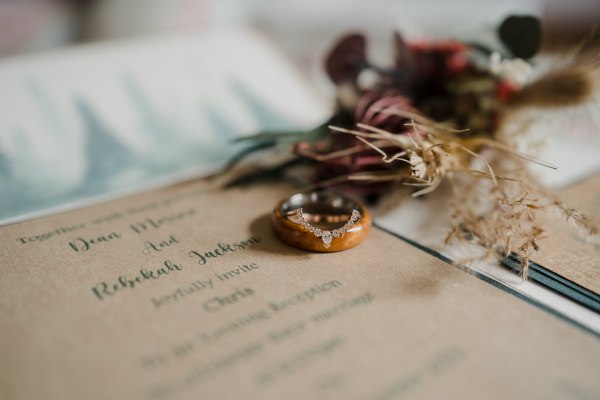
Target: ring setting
(327, 235)
(321, 221)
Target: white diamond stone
(326, 237)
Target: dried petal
(347, 59)
(371, 110)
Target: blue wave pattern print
(110, 163)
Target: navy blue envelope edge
(548, 279)
(557, 283)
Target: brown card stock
(565, 251)
(185, 293)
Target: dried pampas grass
(497, 205)
(568, 86)
(510, 219)
(569, 90)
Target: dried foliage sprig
(510, 219)
(498, 206)
(400, 127)
(432, 151)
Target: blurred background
(167, 85)
(302, 29)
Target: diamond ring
(321, 221)
(326, 235)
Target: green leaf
(264, 174)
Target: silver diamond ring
(325, 235)
(321, 221)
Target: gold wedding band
(321, 221)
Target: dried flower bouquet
(439, 114)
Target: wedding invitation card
(185, 293)
(568, 253)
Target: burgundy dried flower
(347, 59)
(439, 60)
(402, 53)
(375, 107)
(436, 63)
(505, 91)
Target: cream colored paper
(266, 321)
(566, 252)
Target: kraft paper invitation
(185, 293)
(567, 252)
